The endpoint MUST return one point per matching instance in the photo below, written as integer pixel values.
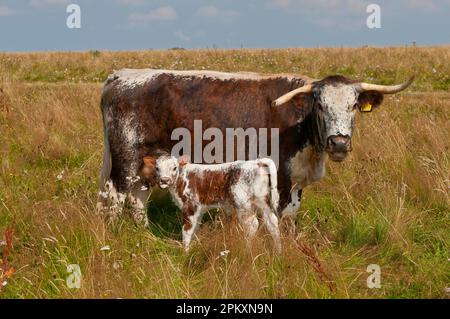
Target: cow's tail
(274, 195)
(105, 172)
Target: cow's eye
(174, 169)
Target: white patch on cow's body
(131, 78)
(338, 102)
(307, 167)
(129, 131)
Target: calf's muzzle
(164, 182)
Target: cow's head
(335, 101)
(167, 168)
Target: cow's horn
(387, 89)
(288, 96)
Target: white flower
(105, 248)
(224, 253)
(116, 265)
(144, 188)
(60, 176)
(4, 283)
(2, 243)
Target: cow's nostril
(339, 139)
(339, 143)
(333, 141)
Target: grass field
(387, 204)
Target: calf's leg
(271, 222)
(249, 222)
(192, 216)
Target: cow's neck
(308, 163)
(307, 166)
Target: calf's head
(166, 168)
(334, 101)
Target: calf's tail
(274, 195)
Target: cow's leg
(271, 221)
(292, 208)
(192, 216)
(289, 213)
(138, 198)
(114, 200)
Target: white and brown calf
(244, 186)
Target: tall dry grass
(387, 204)
(384, 65)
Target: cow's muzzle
(338, 147)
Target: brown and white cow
(315, 119)
(241, 186)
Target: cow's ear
(183, 160)
(369, 100)
(149, 161)
(294, 112)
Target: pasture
(387, 204)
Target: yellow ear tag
(366, 107)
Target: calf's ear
(183, 160)
(149, 161)
(369, 100)
(147, 170)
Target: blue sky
(31, 25)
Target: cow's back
(171, 99)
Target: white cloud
(41, 3)
(351, 6)
(216, 13)
(210, 12)
(426, 5)
(160, 14)
(330, 14)
(6, 11)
